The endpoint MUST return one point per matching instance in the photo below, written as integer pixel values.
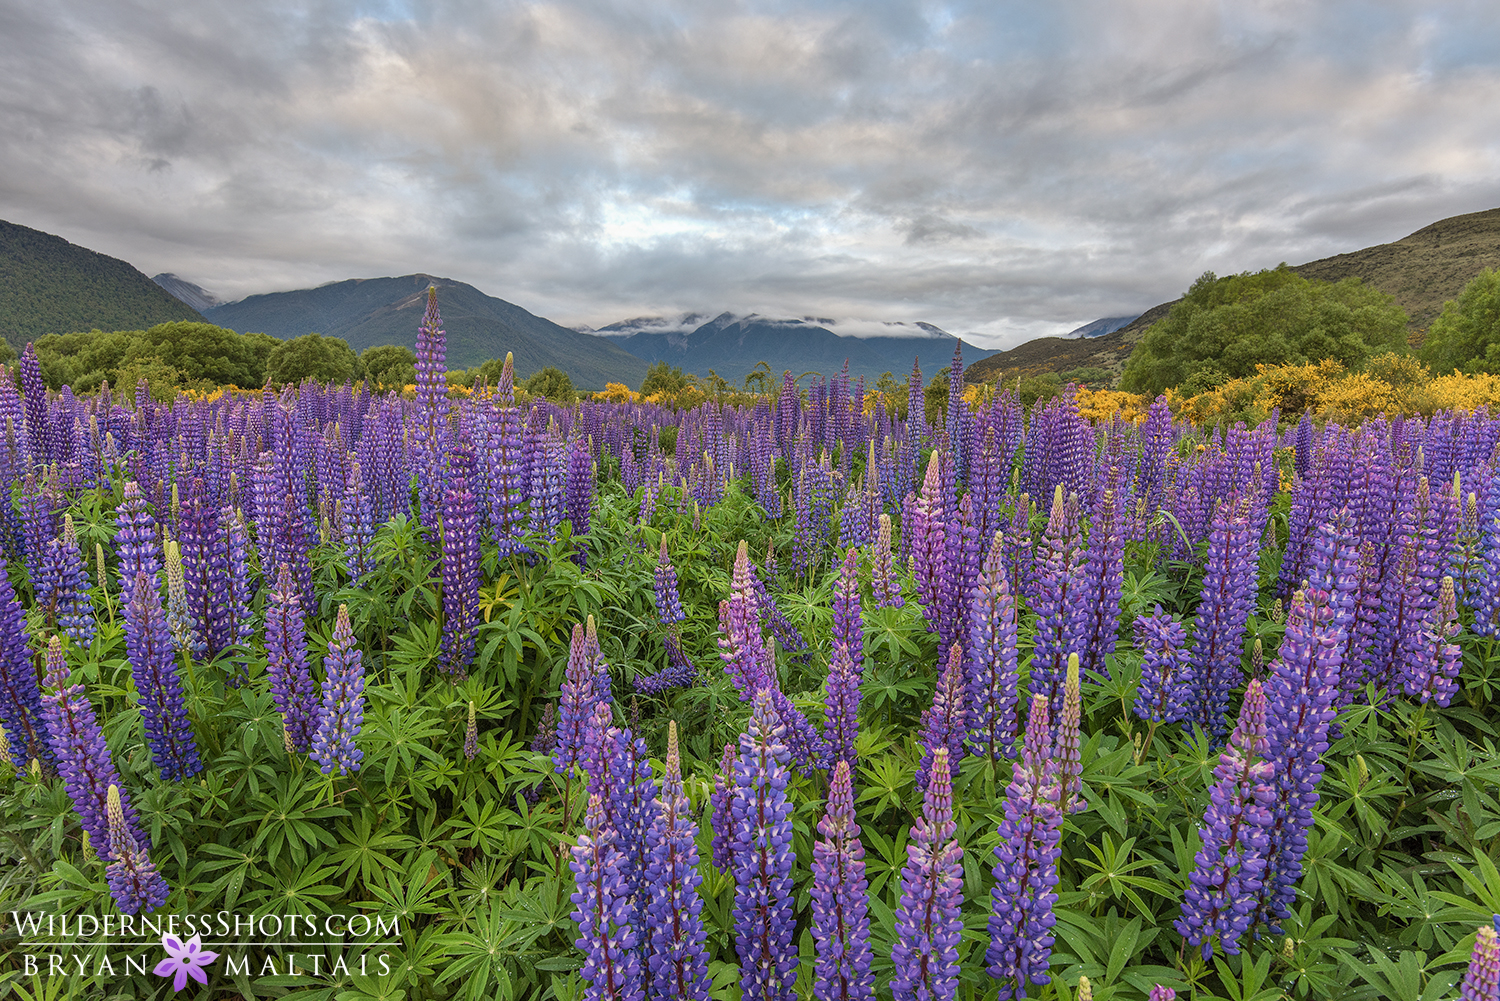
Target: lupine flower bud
(1085, 990)
(1067, 743)
(883, 580)
(471, 735)
(928, 919)
(1482, 979)
(133, 880)
(1160, 993)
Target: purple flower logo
(184, 961)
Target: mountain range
(1422, 271)
(51, 286)
(370, 311)
(195, 296)
(732, 345)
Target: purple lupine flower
(234, 539)
(1482, 978)
(993, 665)
(148, 646)
(781, 627)
(64, 597)
(205, 569)
(841, 710)
(133, 880)
(20, 695)
(83, 758)
(609, 941)
(508, 492)
(1162, 641)
(292, 688)
(358, 525)
(848, 624)
(1103, 572)
(678, 961)
(620, 774)
(721, 845)
(840, 918)
(1020, 557)
(1227, 600)
(668, 601)
(1067, 758)
(343, 709)
(34, 393)
(929, 922)
(741, 645)
(136, 540)
(946, 721)
(762, 859)
(576, 705)
(460, 565)
(1060, 610)
(883, 581)
(1299, 697)
(1160, 993)
(1227, 871)
(430, 430)
(580, 485)
(924, 532)
(1021, 918)
(1434, 676)
(679, 672)
(916, 406)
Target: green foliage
(1090, 376)
(1274, 317)
(181, 353)
(663, 378)
(390, 365)
(935, 400)
(1034, 389)
(1466, 336)
(313, 356)
(553, 383)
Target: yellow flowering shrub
(617, 392)
(1103, 404)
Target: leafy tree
(894, 391)
(1466, 335)
(664, 378)
(390, 365)
(553, 383)
(313, 356)
(935, 400)
(1034, 389)
(761, 380)
(1092, 377)
(1273, 317)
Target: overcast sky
(1003, 170)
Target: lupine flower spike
(1482, 979)
(928, 919)
(343, 710)
(678, 961)
(133, 880)
(840, 920)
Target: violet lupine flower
(916, 406)
(343, 710)
(430, 429)
(508, 492)
(606, 936)
(929, 922)
(1226, 879)
(460, 565)
(741, 645)
(1227, 600)
(83, 758)
(678, 961)
(292, 688)
(993, 664)
(1299, 701)
(66, 600)
(1060, 610)
(946, 721)
(133, 880)
(841, 711)
(20, 695)
(668, 601)
(620, 774)
(1160, 993)
(1482, 978)
(148, 646)
(762, 859)
(924, 532)
(840, 916)
(579, 491)
(136, 540)
(358, 525)
(576, 704)
(679, 672)
(205, 569)
(1067, 760)
(883, 580)
(848, 623)
(1021, 917)
(721, 845)
(1434, 677)
(1102, 574)
(1162, 641)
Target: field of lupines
(787, 701)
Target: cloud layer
(1000, 170)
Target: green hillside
(370, 311)
(50, 286)
(1422, 271)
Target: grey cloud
(1010, 169)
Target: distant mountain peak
(186, 292)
